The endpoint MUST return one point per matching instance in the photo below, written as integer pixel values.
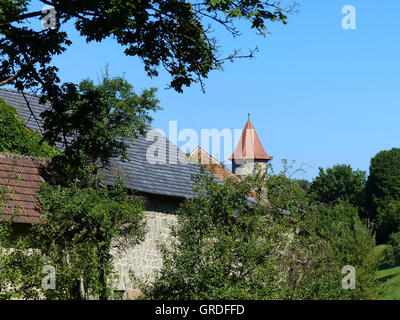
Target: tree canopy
(18, 139)
(339, 182)
(95, 122)
(176, 35)
(229, 246)
(383, 192)
(79, 228)
(81, 220)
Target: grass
(389, 280)
(389, 284)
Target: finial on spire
(248, 115)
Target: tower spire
(249, 145)
(248, 117)
(248, 152)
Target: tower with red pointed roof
(248, 153)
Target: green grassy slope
(389, 280)
(389, 284)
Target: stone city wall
(144, 259)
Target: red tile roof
(201, 156)
(249, 145)
(221, 172)
(20, 180)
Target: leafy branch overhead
(176, 35)
(95, 123)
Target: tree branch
(27, 16)
(10, 79)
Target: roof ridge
(172, 179)
(18, 92)
(218, 162)
(214, 161)
(23, 157)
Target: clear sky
(318, 94)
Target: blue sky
(318, 94)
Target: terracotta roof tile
(20, 179)
(249, 145)
(215, 167)
(173, 178)
(201, 156)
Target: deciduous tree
(383, 192)
(340, 182)
(229, 245)
(176, 35)
(18, 139)
(93, 123)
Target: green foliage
(383, 192)
(94, 123)
(304, 184)
(327, 238)
(229, 247)
(394, 241)
(352, 244)
(223, 248)
(386, 258)
(287, 194)
(389, 288)
(78, 228)
(387, 220)
(20, 267)
(340, 182)
(80, 221)
(16, 138)
(19, 270)
(168, 33)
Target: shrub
(229, 246)
(387, 259)
(394, 241)
(79, 226)
(16, 138)
(340, 182)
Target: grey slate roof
(170, 179)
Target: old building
(20, 180)
(164, 184)
(199, 155)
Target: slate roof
(172, 178)
(20, 180)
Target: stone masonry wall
(242, 168)
(144, 259)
